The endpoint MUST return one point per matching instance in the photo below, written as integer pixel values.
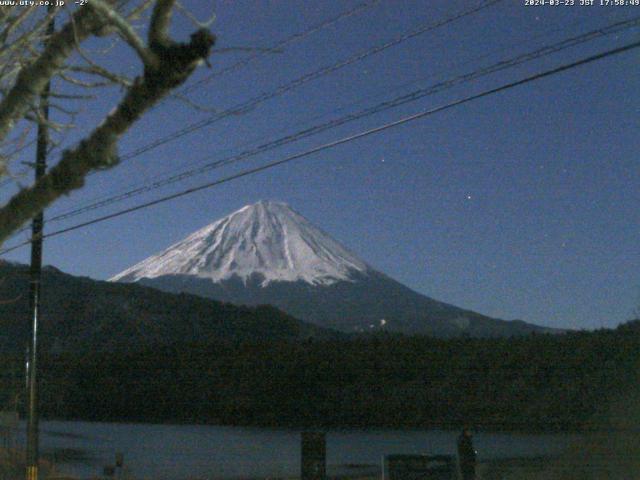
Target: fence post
(313, 451)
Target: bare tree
(26, 67)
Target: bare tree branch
(125, 30)
(81, 83)
(36, 117)
(136, 12)
(98, 151)
(160, 19)
(15, 22)
(33, 78)
(197, 23)
(196, 106)
(68, 96)
(98, 71)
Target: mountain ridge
(340, 306)
(267, 253)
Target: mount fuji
(267, 253)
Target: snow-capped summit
(267, 239)
(267, 253)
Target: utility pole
(35, 274)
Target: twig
(98, 150)
(197, 23)
(125, 30)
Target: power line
(289, 40)
(104, 200)
(265, 96)
(341, 141)
(252, 103)
(386, 105)
(247, 60)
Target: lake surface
(177, 452)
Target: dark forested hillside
(82, 314)
(540, 382)
(127, 352)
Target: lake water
(177, 452)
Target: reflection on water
(175, 452)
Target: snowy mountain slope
(267, 239)
(268, 254)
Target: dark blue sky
(522, 205)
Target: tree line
(534, 383)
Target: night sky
(520, 205)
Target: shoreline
(285, 427)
